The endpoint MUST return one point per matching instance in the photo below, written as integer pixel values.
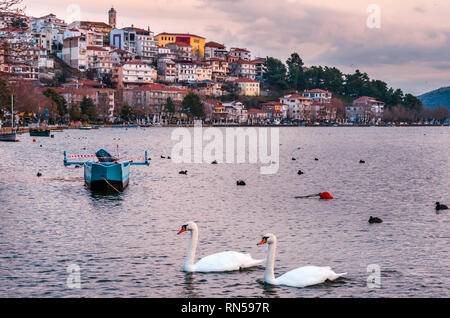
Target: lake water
(126, 245)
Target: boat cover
(104, 156)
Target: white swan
(299, 277)
(220, 262)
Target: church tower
(112, 17)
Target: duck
(162, 157)
(362, 161)
(316, 159)
(373, 220)
(300, 172)
(39, 174)
(241, 183)
(293, 159)
(300, 277)
(183, 172)
(441, 206)
(227, 261)
(214, 162)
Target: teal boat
(12, 137)
(40, 132)
(109, 173)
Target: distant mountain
(439, 97)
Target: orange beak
(181, 231)
(264, 241)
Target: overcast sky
(410, 50)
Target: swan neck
(192, 248)
(269, 275)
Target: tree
(88, 109)
(75, 113)
(440, 113)
(58, 99)
(411, 102)
(275, 74)
(126, 113)
(193, 106)
(295, 76)
(169, 107)
(5, 96)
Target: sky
(405, 43)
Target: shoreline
(23, 130)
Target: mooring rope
(111, 185)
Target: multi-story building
(185, 71)
(48, 32)
(132, 74)
(103, 98)
(75, 52)
(257, 115)
(203, 71)
(324, 112)
(318, 95)
(243, 68)
(242, 54)
(18, 71)
(151, 98)
(298, 107)
(374, 110)
(215, 50)
(260, 67)
(100, 60)
(135, 40)
(196, 42)
(236, 112)
(355, 114)
(119, 56)
(101, 27)
(219, 69)
(248, 87)
(182, 51)
(167, 70)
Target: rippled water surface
(126, 244)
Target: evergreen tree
(275, 74)
(127, 113)
(295, 72)
(193, 106)
(74, 112)
(58, 99)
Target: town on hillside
(94, 71)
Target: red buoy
(326, 196)
(34, 140)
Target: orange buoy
(326, 196)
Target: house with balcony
(133, 74)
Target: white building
(135, 40)
(298, 107)
(75, 52)
(242, 54)
(243, 68)
(318, 95)
(132, 74)
(186, 71)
